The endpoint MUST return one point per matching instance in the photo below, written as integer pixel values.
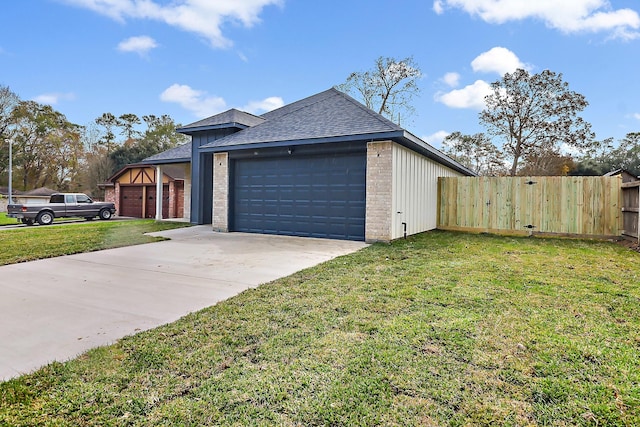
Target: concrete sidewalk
(58, 308)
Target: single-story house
(325, 166)
(35, 196)
(133, 190)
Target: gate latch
(529, 226)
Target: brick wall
(172, 199)
(379, 191)
(221, 192)
(179, 199)
(112, 194)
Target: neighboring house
(35, 196)
(133, 189)
(325, 166)
(625, 174)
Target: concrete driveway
(58, 308)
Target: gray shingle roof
(328, 114)
(181, 153)
(230, 118)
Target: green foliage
(159, 136)
(439, 329)
(46, 147)
(476, 152)
(608, 158)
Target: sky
(192, 59)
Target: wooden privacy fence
(571, 206)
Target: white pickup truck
(61, 205)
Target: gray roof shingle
(178, 154)
(325, 115)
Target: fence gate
(631, 209)
(576, 206)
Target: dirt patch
(631, 244)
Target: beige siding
(415, 191)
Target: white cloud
(499, 60)
(636, 116)
(471, 96)
(202, 17)
(435, 139)
(54, 98)
(437, 7)
(451, 79)
(569, 16)
(202, 105)
(196, 101)
(267, 104)
(140, 45)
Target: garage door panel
(302, 196)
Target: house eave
(402, 137)
(192, 130)
(308, 141)
(165, 161)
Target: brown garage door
(131, 201)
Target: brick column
(221, 192)
(379, 191)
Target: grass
(31, 243)
(441, 329)
(4, 220)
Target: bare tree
(388, 88)
(534, 114)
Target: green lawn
(37, 242)
(4, 220)
(440, 329)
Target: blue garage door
(311, 196)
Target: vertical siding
(415, 191)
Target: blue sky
(195, 58)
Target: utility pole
(10, 169)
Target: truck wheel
(105, 214)
(45, 218)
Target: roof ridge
(302, 106)
(368, 110)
